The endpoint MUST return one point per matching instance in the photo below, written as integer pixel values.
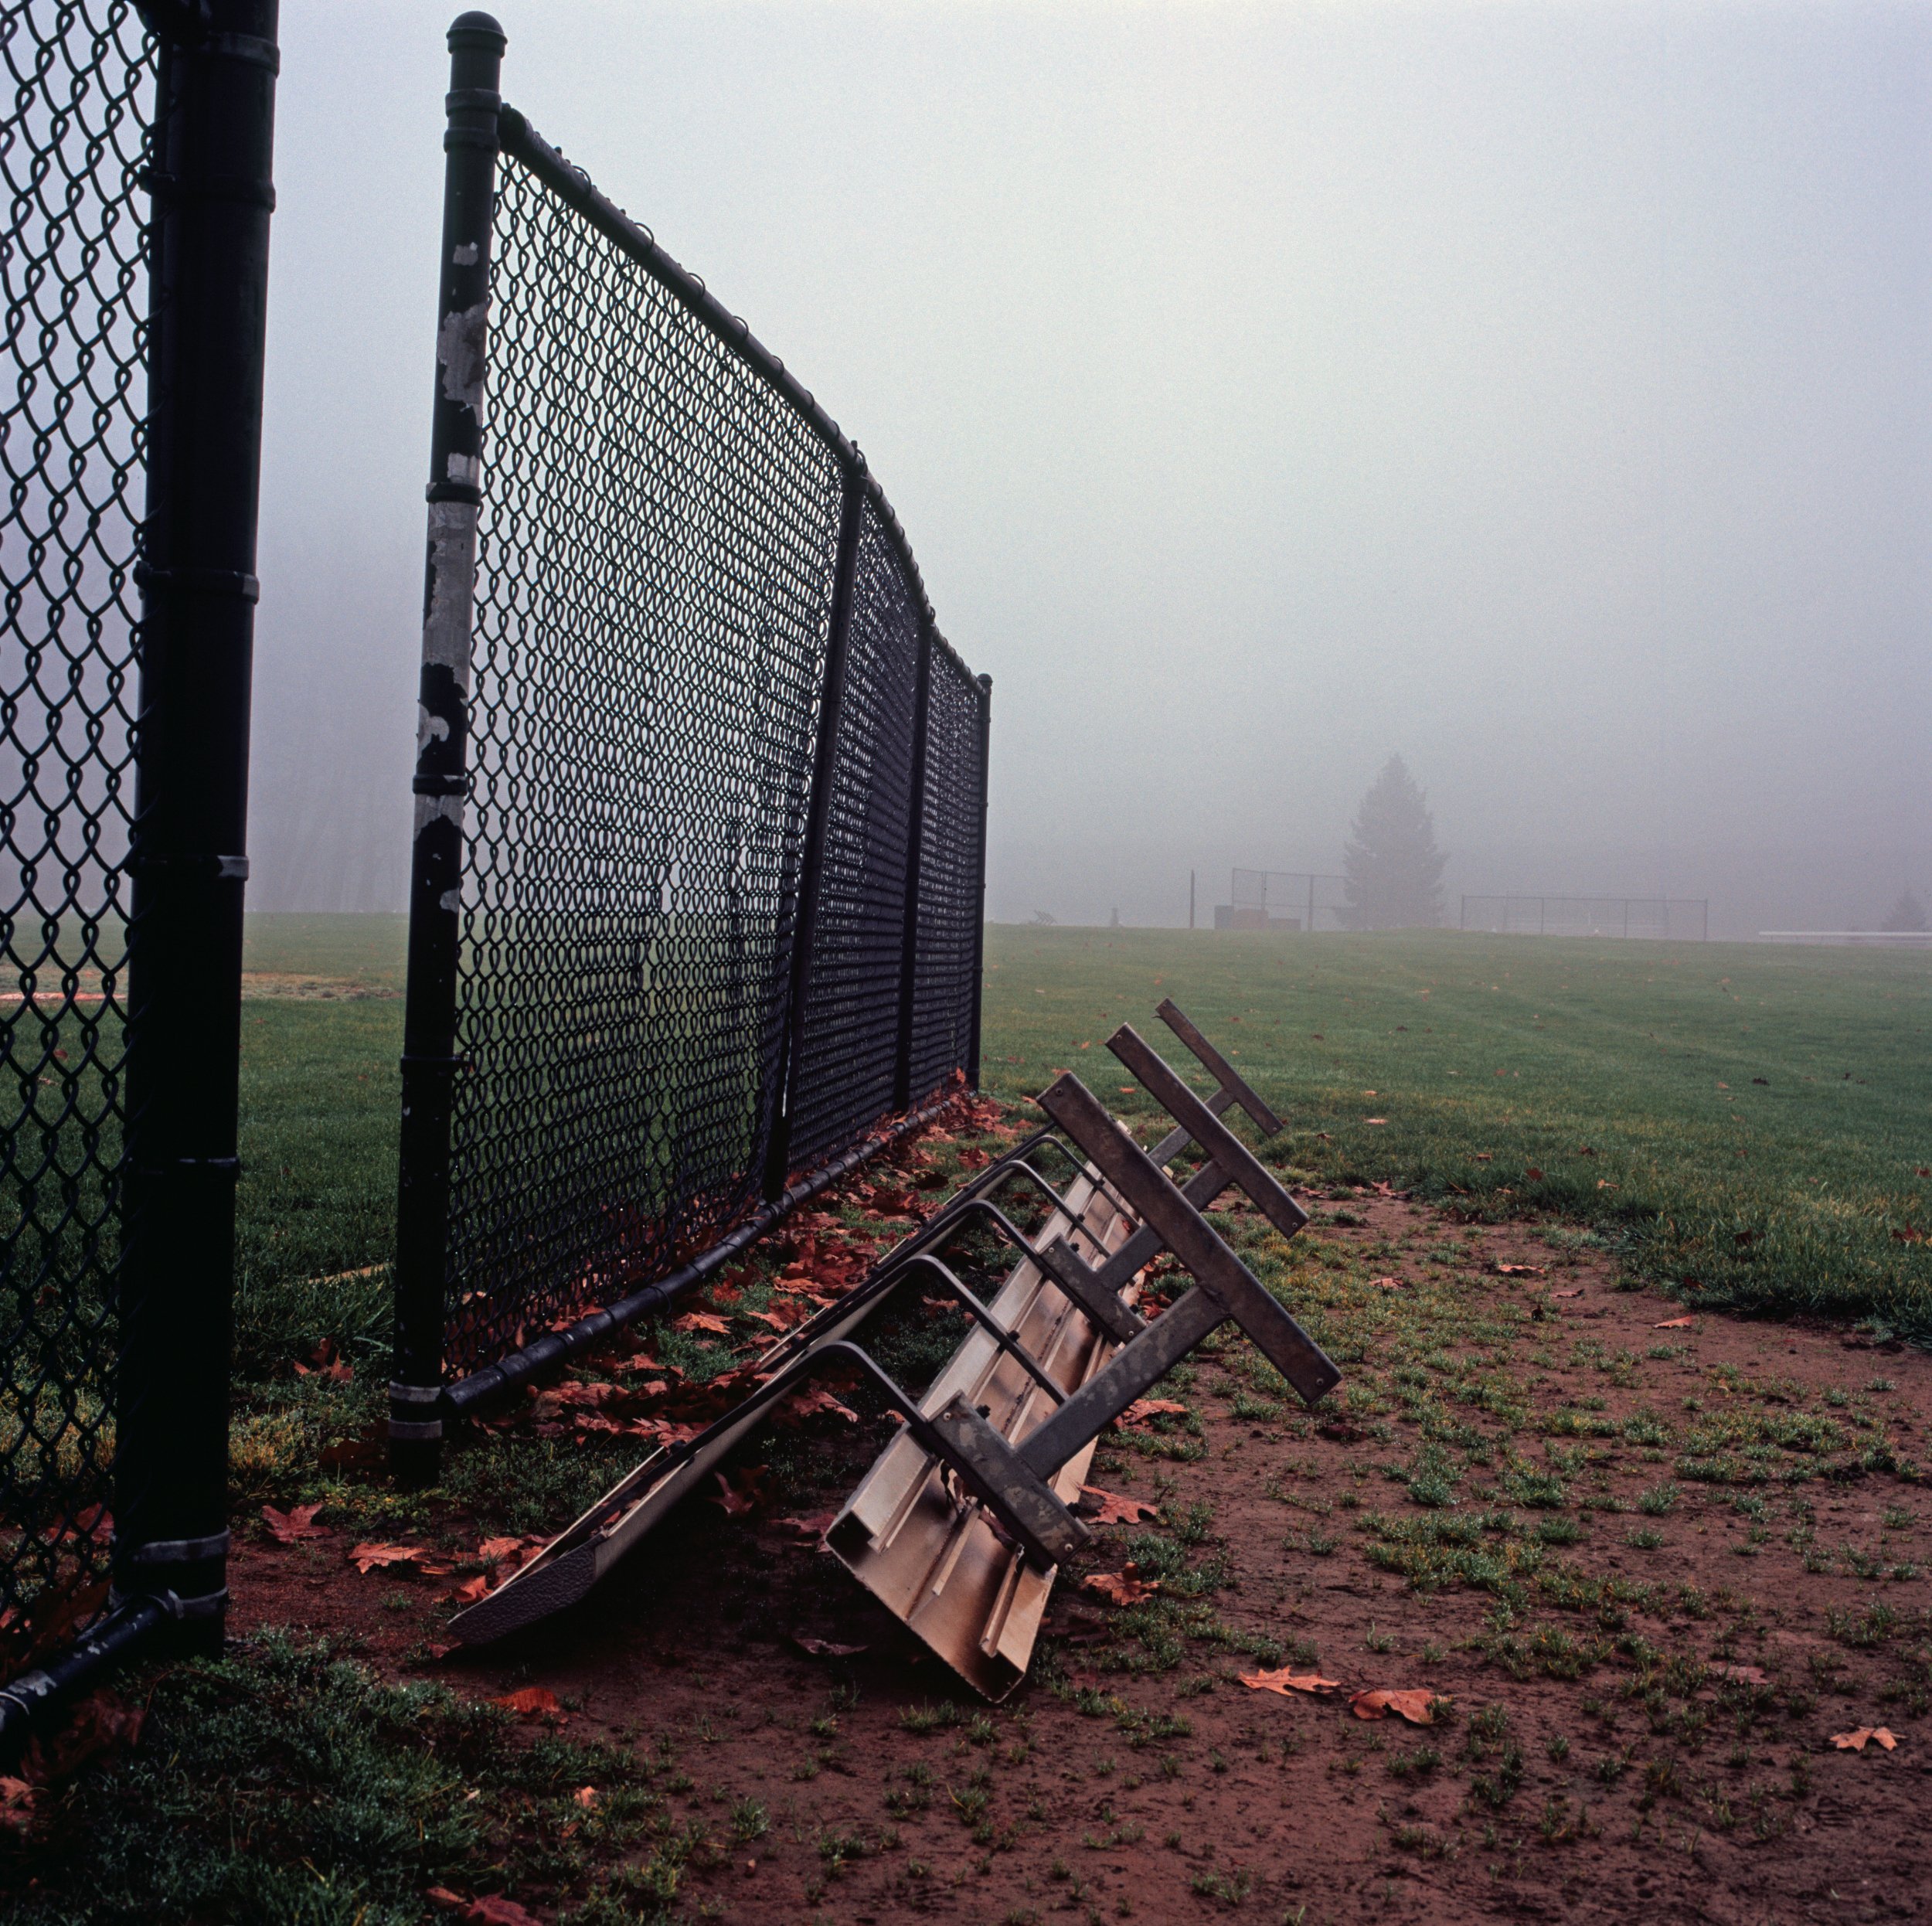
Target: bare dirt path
(1653, 1565)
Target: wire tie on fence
(224, 869)
(245, 188)
(179, 1551)
(201, 581)
(246, 47)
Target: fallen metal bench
(1047, 1343)
(917, 1531)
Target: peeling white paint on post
(431, 1065)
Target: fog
(1538, 391)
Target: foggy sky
(1541, 392)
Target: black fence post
(429, 1064)
(805, 931)
(212, 194)
(915, 863)
(979, 898)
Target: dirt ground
(1641, 1503)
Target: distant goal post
(1661, 919)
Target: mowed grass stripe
(1491, 1058)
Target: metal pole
(429, 1064)
(817, 817)
(979, 898)
(211, 177)
(915, 854)
(1190, 898)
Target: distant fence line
(1853, 939)
(1677, 919)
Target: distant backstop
(1283, 900)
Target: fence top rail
(1540, 895)
(571, 183)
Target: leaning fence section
(695, 896)
(73, 276)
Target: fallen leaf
(1285, 1681)
(100, 1723)
(1672, 1324)
(737, 1497)
(493, 1550)
(1417, 1705)
(290, 1527)
(1604, 1183)
(823, 1647)
(586, 1796)
(1387, 1284)
(370, 1557)
(496, 1911)
(1533, 1173)
(1109, 1508)
(1119, 1588)
(1856, 1741)
(1483, 1156)
(17, 1801)
(1144, 1408)
(1521, 1269)
(806, 1530)
(442, 1896)
(816, 1400)
(1740, 1675)
(1375, 1120)
(532, 1702)
(1576, 1291)
(472, 1589)
(700, 1320)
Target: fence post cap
(476, 29)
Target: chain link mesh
(73, 280)
(945, 980)
(848, 1059)
(657, 560)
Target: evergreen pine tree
(1908, 914)
(1392, 866)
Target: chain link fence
(80, 82)
(134, 151)
(695, 905)
(1671, 919)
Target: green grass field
(1744, 1125)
